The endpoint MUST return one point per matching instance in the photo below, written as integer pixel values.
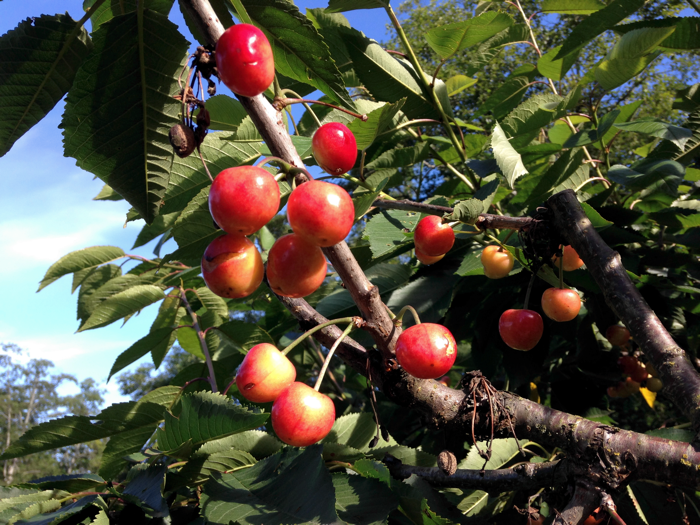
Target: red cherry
(433, 237)
(295, 267)
(264, 373)
(497, 262)
(244, 60)
(232, 266)
(243, 199)
(321, 212)
(334, 148)
(426, 350)
(520, 329)
(301, 416)
(640, 373)
(617, 335)
(571, 260)
(592, 520)
(628, 364)
(428, 259)
(561, 304)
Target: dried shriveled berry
(447, 462)
(182, 140)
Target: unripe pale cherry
(433, 237)
(428, 259)
(560, 304)
(295, 267)
(426, 350)
(321, 212)
(497, 262)
(232, 266)
(334, 148)
(244, 60)
(264, 373)
(243, 199)
(617, 335)
(520, 329)
(301, 416)
(571, 260)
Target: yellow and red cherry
(244, 60)
(301, 416)
(295, 267)
(571, 260)
(334, 148)
(497, 262)
(428, 259)
(520, 329)
(592, 520)
(232, 266)
(426, 350)
(321, 212)
(561, 304)
(617, 335)
(264, 373)
(433, 237)
(243, 199)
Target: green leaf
(399, 157)
(467, 211)
(212, 302)
(293, 486)
(245, 335)
(567, 172)
(363, 201)
(431, 297)
(80, 260)
(169, 314)
(225, 113)
(338, 6)
(129, 150)
(255, 442)
(205, 416)
(41, 57)
(489, 49)
(362, 501)
(471, 263)
(572, 7)
(300, 52)
(626, 113)
(61, 514)
(144, 484)
(140, 348)
(385, 230)
(555, 69)
(685, 37)
(459, 83)
(117, 450)
(533, 114)
(113, 8)
(508, 159)
(69, 483)
(377, 122)
(597, 23)
(505, 98)
(451, 38)
(502, 452)
(589, 136)
(123, 304)
(687, 99)
(354, 430)
(658, 128)
(23, 500)
(41, 507)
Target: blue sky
(46, 211)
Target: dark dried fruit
(447, 462)
(182, 140)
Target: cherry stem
(561, 270)
(315, 329)
(406, 308)
(322, 373)
(308, 108)
(281, 103)
(202, 340)
(529, 289)
(264, 160)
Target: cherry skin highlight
(244, 60)
(497, 262)
(301, 416)
(264, 373)
(571, 260)
(617, 335)
(295, 267)
(334, 148)
(520, 329)
(243, 199)
(433, 237)
(428, 259)
(426, 351)
(561, 304)
(232, 266)
(321, 212)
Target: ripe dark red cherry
(264, 373)
(560, 304)
(433, 237)
(243, 199)
(232, 266)
(321, 212)
(244, 60)
(295, 267)
(497, 262)
(426, 350)
(334, 148)
(617, 335)
(301, 416)
(520, 329)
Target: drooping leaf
(459, 83)
(169, 314)
(123, 304)
(61, 514)
(658, 128)
(361, 500)
(212, 302)
(244, 335)
(354, 430)
(533, 114)
(144, 485)
(41, 507)
(113, 459)
(129, 150)
(41, 57)
(572, 7)
(686, 36)
(508, 159)
(505, 97)
(80, 260)
(589, 136)
(338, 6)
(377, 121)
(140, 348)
(451, 38)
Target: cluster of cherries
(636, 373)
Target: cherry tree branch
(585, 500)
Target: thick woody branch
(681, 381)
(585, 500)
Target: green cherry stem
(406, 308)
(280, 103)
(202, 340)
(315, 329)
(264, 160)
(529, 289)
(322, 373)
